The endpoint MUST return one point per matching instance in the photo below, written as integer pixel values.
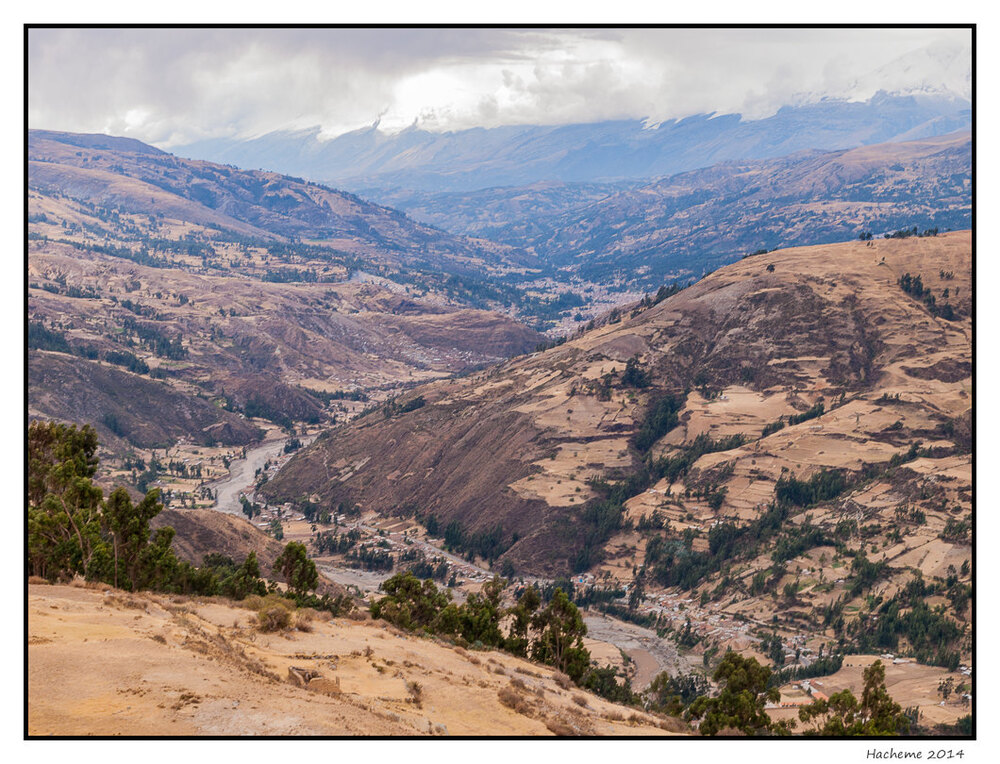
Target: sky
(173, 86)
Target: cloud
(169, 86)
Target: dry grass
(519, 684)
(559, 728)
(416, 692)
(304, 619)
(82, 583)
(562, 680)
(614, 716)
(273, 618)
(275, 613)
(580, 700)
(38, 580)
(124, 601)
(498, 669)
(673, 724)
(513, 700)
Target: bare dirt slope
(112, 663)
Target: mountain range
(477, 158)
(649, 232)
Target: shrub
(416, 692)
(513, 700)
(559, 728)
(273, 618)
(304, 619)
(562, 680)
(274, 612)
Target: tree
(480, 616)
(741, 701)
(843, 716)
(276, 529)
(411, 604)
(635, 375)
(299, 571)
(945, 687)
(64, 533)
(517, 641)
(245, 580)
(559, 642)
(671, 695)
(129, 529)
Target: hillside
(680, 226)
(113, 663)
(140, 180)
(467, 160)
(147, 295)
(817, 445)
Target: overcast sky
(170, 87)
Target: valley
(642, 234)
(580, 387)
(147, 295)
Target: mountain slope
(117, 663)
(205, 297)
(688, 223)
(138, 179)
(517, 445)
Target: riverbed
(650, 653)
(242, 473)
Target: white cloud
(170, 86)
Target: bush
(304, 618)
(273, 618)
(513, 700)
(559, 728)
(416, 692)
(274, 612)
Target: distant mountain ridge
(520, 155)
(266, 205)
(682, 225)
